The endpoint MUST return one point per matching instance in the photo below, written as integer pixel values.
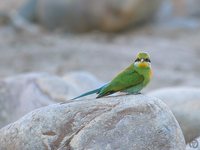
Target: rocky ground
(65, 60)
(173, 44)
(174, 52)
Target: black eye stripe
(147, 60)
(138, 59)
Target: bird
(131, 80)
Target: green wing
(124, 80)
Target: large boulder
(84, 15)
(123, 122)
(24, 93)
(81, 82)
(185, 105)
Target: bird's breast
(150, 73)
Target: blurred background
(101, 37)
(82, 44)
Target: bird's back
(124, 80)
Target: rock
(180, 8)
(82, 81)
(185, 105)
(194, 145)
(4, 18)
(10, 6)
(193, 7)
(187, 7)
(84, 15)
(21, 25)
(123, 122)
(70, 85)
(21, 94)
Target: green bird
(131, 80)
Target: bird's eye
(137, 60)
(147, 60)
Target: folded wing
(124, 80)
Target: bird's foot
(138, 93)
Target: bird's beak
(142, 60)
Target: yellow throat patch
(143, 64)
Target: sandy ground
(174, 50)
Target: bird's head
(142, 60)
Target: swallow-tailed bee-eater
(131, 80)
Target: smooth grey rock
(24, 93)
(179, 8)
(19, 95)
(192, 7)
(82, 82)
(123, 122)
(4, 18)
(185, 105)
(84, 15)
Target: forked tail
(88, 93)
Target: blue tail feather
(87, 93)
(97, 91)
